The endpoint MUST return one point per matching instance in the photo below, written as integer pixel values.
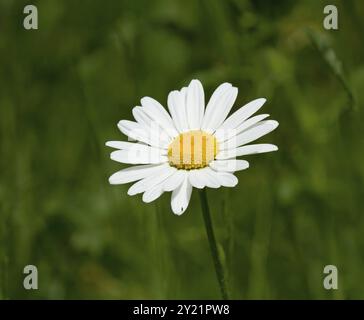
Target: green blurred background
(64, 87)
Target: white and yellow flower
(190, 146)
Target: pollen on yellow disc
(192, 150)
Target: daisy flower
(191, 146)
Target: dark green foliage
(65, 86)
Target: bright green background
(64, 87)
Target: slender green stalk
(220, 273)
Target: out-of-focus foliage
(65, 86)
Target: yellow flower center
(192, 150)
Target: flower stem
(220, 274)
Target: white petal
(135, 147)
(195, 180)
(153, 193)
(151, 135)
(195, 104)
(158, 137)
(227, 179)
(175, 103)
(141, 117)
(246, 150)
(243, 113)
(152, 127)
(132, 130)
(251, 122)
(138, 155)
(118, 144)
(218, 111)
(174, 181)
(220, 91)
(181, 197)
(151, 181)
(226, 134)
(135, 173)
(260, 129)
(229, 165)
(206, 175)
(183, 113)
(157, 112)
(177, 106)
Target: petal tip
(194, 81)
(146, 200)
(111, 180)
(131, 192)
(113, 155)
(179, 211)
(260, 102)
(273, 123)
(145, 101)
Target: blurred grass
(65, 86)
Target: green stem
(220, 274)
